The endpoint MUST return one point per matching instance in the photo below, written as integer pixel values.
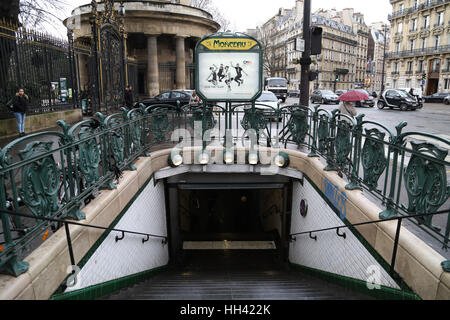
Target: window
(440, 18)
(436, 65)
(400, 27)
(420, 66)
(446, 84)
(411, 45)
(401, 7)
(448, 64)
(416, 4)
(437, 41)
(408, 83)
(397, 47)
(413, 24)
(396, 67)
(410, 66)
(426, 22)
(424, 42)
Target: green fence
(55, 174)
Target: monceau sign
(229, 67)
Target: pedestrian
(195, 99)
(129, 97)
(19, 107)
(348, 108)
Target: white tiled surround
(330, 253)
(114, 260)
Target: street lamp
(384, 58)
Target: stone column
(181, 63)
(152, 65)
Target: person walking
(129, 97)
(20, 107)
(195, 99)
(348, 108)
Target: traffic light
(313, 75)
(316, 40)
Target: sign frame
(201, 48)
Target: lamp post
(305, 61)
(384, 58)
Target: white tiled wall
(330, 253)
(113, 260)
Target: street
(433, 118)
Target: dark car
(365, 103)
(175, 98)
(394, 98)
(437, 97)
(294, 93)
(324, 97)
(447, 100)
(340, 92)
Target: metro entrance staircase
(234, 275)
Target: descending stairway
(238, 275)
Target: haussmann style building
(419, 49)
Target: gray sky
(244, 14)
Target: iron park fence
(40, 64)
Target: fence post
(357, 131)
(396, 143)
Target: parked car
(267, 102)
(437, 97)
(340, 92)
(170, 98)
(447, 100)
(365, 103)
(324, 97)
(294, 93)
(416, 93)
(395, 98)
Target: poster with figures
(229, 70)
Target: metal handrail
(67, 223)
(397, 234)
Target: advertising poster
(229, 69)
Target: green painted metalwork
(373, 157)
(298, 126)
(59, 171)
(446, 265)
(323, 134)
(207, 117)
(254, 119)
(40, 180)
(159, 125)
(343, 143)
(426, 182)
(89, 156)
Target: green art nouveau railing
(55, 174)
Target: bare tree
(208, 5)
(270, 60)
(41, 14)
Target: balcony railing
(415, 52)
(72, 164)
(409, 72)
(395, 73)
(421, 6)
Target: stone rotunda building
(160, 42)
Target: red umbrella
(354, 96)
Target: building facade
(375, 53)
(338, 61)
(161, 39)
(419, 49)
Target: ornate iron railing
(54, 174)
(40, 64)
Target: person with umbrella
(348, 102)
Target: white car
(267, 102)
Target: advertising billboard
(229, 68)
